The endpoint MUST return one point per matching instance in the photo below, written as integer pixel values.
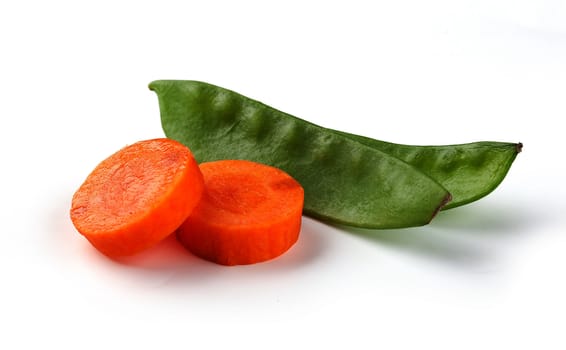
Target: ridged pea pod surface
(345, 181)
(468, 171)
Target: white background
(490, 275)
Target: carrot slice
(249, 213)
(137, 196)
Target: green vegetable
(345, 181)
(468, 171)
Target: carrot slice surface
(249, 213)
(137, 196)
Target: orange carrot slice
(249, 213)
(137, 196)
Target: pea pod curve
(345, 182)
(468, 171)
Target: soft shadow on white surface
(171, 255)
(489, 218)
(468, 237)
(167, 263)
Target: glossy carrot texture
(137, 196)
(249, 213)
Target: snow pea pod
(345, 181)
(468, 171)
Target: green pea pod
(345, 181)
(468, 171)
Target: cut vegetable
(249, 213)
(137, 196)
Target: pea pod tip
(157, 85)
(443, 203)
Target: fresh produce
(249, 213)
(345, 181)
(260, 170)
(468, 171)
(137, 196)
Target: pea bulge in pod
(345, 181)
